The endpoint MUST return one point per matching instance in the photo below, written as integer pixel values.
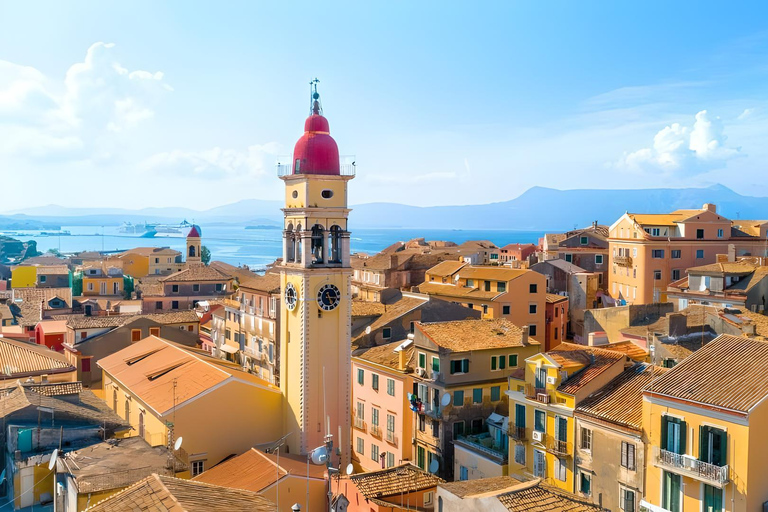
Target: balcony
(376, 431)
(558, 447)
(623, 261)
(360, 424)
(689, 466)
(392, 438)
(484, 445)
(536, 393)
(432, 410)
(347, 166)
(516, 433)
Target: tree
(205, 255)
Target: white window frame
(601, 259)
(194, 463)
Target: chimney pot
(525, 335)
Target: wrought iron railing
(690, 466)
(392, 438)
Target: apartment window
(627, 500)
(501, 286)
(675, 274)
(712, 445)
(195, 287)
(485, 309)
(360, 446)
(361, 377)
(676, 254)
(657, 275)
(719, 233)
(699, 253)
(422, 360)
(463, 473)
(374, 452)
(539, 464)
(532, 288)
(513, 361)
(135, 334)
(598, 259)
(569, 258)
(670, 491)
(43, 278)
(495, 393)
(555, 332)
(158, 305)
(390, 423)
(540, 421)
(460, 366)
(435, 429)
(375, 381)
(520, 454)
(532, 309)
(198, 466)
(487, 286)
(412, 327)
(494, 363)
(561, 469)
(532, 330)
(219, 287)
(584, 240)
(585, 439)
(477, 395)
(175, 304)
(428, 496)
(90, 287)
(673, 434)
(390, 459)
(657, 253)
(175, 288)
(435, 364)
(585, 483)
(85, 365)
(458, 429)
(458, 398)
(391, 387)
(699, 234)
(655, 231)
(505, 310)
(470, 283)
(502, 362)
(628, 455)
(386, 333)
(422, 423)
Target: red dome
(316, 152)
(194, 232)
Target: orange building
(648, 251)
(556, 314)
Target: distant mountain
(537, 209)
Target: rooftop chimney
(710, 207)
(524, 337)
(731, 252)
(401, 360)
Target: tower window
(327, 194)
(317, 243)
(191, 251)
(295, 194)
(297, 166)
(334, 253)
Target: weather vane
(314, 101)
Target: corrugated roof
(19, 359)
(728, 372)
(553, 298)
(475, 334)
(621, 400)
(387, 482)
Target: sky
(190, 103)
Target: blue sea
(256, 247)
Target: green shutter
(458, 398)
(704, 443)
(495, 393)
(502, 362)
(664, 427)
(722, 460)
(683, 432)
(520, 415)
(493, 362)
(465, 365)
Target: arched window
(191, 251)
(290, 243)
(317, 243)
(127, 410)
(114, 400)
(299, 243)
(334, 245)
(141, 424)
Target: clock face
(328, 297)
(290, 296)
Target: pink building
(403, 487)
(381, 418)
(516, 252)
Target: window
(477, 395)
(470, 283)
(585, 439)
(539, 464)
(195, 287)
(502, 362)
(505, 310)
(428, 498)
(670, 492)
(531, 331)
(495, 393)
(435, 364)
(390, 424)
(420, 457)
(628, 455)
(713, 499)
(494, 363)
(435, 429)
(532, 309)
(85, 364)
(390, 459)
(175, 304)
(540, 421)
(673, 434)
(159, 305)
(520, 454)
(127, 410)
(391, 387)
(675, 274)
(155, 331)
(561, 470)
(386, 333)
(175, 288)
(713, 443)
(458, 398)
(676, 254)
(585, 483)
(513, 361)
(532, 288)
(374, 452)
(412, 328)
(135, 334)
(699, 253)
(657, 275)
(501, 286)
(477, 425)
(584, 240)
(627, 500)
(487, 286)
(719, 233)
(699, 234)
(375, 381)
(198, 466)
(655, 231)
(361, 377)
(90, 287)
(569, 258)
(219, 287)
(360, 446)
(657, 253)
(423, 360)
(598, 259)
(463, 473)
(458, 429)
(43, 278)
(459, 366)
(485, 309)
(555, 332)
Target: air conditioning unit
(551, 380)
(420, 372)
(543, 398)
(538, 436)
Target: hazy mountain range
(537, 209)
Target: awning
(228, 349)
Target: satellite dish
(177, 444)
(368, 330)
(319, 456)
(434, 466)
(350, 469)
(52, 462)
(445, 400)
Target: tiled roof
(724, 267)
(563, 265)
(366, 308)
(534, 497)
(446, 268)
(749, 227)
(149, 367)
(148, 251)
(554, 239)
(254, 470)
(492, 273)
(385, 355)
(594, 360)
(269, 282)
(451, 290)
(621, 400)
(394, 311)
(150, 286)
(696, 316)
(658, 219)
(19, 359)
(52, 270)
(196, 273)
(474, 334)
(169, 494)
(728, 372)
(387, 482)
(466, 488)
(553, 298)
(100, 322)
(38, 295)
(629, 348)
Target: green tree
(205, 255)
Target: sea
(256, 248)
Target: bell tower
(194, 246)
(315, 276)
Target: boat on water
(142, 229)
(147, 230)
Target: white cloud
(683, 150)
(215, 163)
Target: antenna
(445, 400)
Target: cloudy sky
(175, 103)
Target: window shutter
(723, 445)
(493, 363)
(664, 426)
(631, 456)
(704, 433)
(465, 365)
(683, 432)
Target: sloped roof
(385, 355)
(197, 273)
(725, 267)
(254, 470)
(19, 359)
(553, 298)
(157, 492)
(39, 295)
(269, 282)
(475, 334)
(563, 265)
(629, 348)
(451, 290)
(492, 273)
(467, 488)
(594, 361)
(366, 308)
(387, 482)
(534, 497)
(394, 311)
(99, 322)
(446, 268)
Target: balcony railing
(392, 438)
(347, 165)
(376, 431)
(360, 424)
(536, 393)
(623, 261)
(431, 410)
(516, 433)
(558, 447)
(475, 443)
(689, 466)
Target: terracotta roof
(165, 493)
(594, 361)
(658, 219)
(725, 267)
(19, 359)
(621, 400)
(39, 295)
(534, 497)
(728, 372)
(196, 273)
(394, 311)
(475, 334)
(150, 286)
(492, 273)
(53, 326)
(148, 251)
(254, 470)
(451, 290)
(387, 482)
(150, 366)
(628, 347)
(696, 316)
(466, 488)
(446, 268)
(554, 239)
(553, 298)
(385, 355)
(99, 322)
(365, 308)
(749, 227)
(269, 283)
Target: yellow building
(145, 261)
(24, 276)
(705, 422)
(542, 400)
(516, 295)
(103, 281)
